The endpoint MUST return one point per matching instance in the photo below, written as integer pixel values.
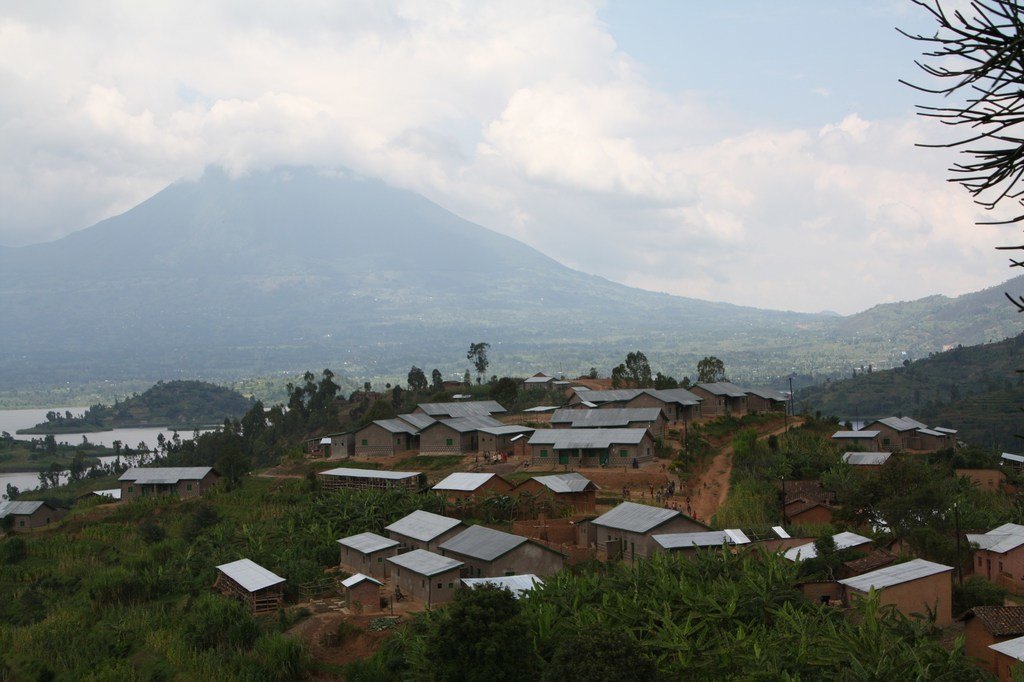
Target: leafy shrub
(13, 550)
(212, 621)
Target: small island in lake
(179, 405)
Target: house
(988, 625)
(344, 478)
(417, 420)
(423, 530)
(502, 439)
(986, 479)
(878, 558)
(539, 381)
(1008, 656)
(651, 418)
(801, 511)
(866, 460)
(766, 400)
(627, 530)
(181, 481)
(456, 435)
(428, 577)
(867, 439)
(362, 592)
(845, 540)
(385, 438)
(463, 485)
(516, 584)
(27, 515)
(473, 408)
(366, 553)
(590, 447)
(904, 433)
(721, 398)
(689, 543)
(341, 444)
(617, 397)
(915, 588)
(253, 585)
(1011, 461)
(560, 492)
(486, 553)
(999, 555)
(108, 493)
(677, 404)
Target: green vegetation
(41, 454)
(182, 404)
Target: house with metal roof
(539, 381)
(507, 439)
(486, 553)
(1007, 657)
(1012, 461)
(988, 625)
(689, 543)
(721, 398)
(766, 400)
(28, 514)
(616, 397)
(676, 404)
(867, 460)
(362, 592)
(423, 530)
(516, 584)
(651, 418)
(345, 478)
(456, 435)
(986, 479)
(250, 583)
(914, 588)
(999, 555)
(590, 447)
(464, 485)
(472, 408)
(556, 493)
(425, 576)
(627, 531)
(844, 540)
(386, 437)
(905, 433)
(367, 553)
(417, 420)
(869, 439)
(181, 481)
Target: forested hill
(184, 404)
(976, 389)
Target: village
(527, 495)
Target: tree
(417, 379)
(505, 390)
(662, 381)
(478, 354)
(710, 370)
(636, 371)
(466, 380)
(600, 653)
(437, 380)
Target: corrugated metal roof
(516, 584)
(616, 395)
(417, 420)
(611, 417)
(425, 563)
(943, 429)
(901, 423)
(354, 580)
(370, 473)
(13, 507)
(737, 535)
(396, 426)
(769, 394)
(638, 518)
(114, 493)
(468, 409)
(538, 380)
(1010, 457)
(781, 532)
(931, 432)
(462, 480)
(711, 538)
(895, 575)
(423, 525)
(675, 395)
(483, 543)
(164, 475)
(542, 408)
(325, 441)
(1000, 540)
(726, 388)
(591, 439)
(856, 434)
(866, 459)
(1014, 648)
(506, 430)
(467, 424)
(565, 483)
(250, 575)
(367, 542)
(843, 540)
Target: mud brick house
(559, 492)
(590, 447)
(516, 584)
(486, 553)
(385, 438)
(426, 576)
(845, 540)
(904, 433)
(341, 444)
(365, 479)
(999, 555)
(423, 530)
(463, 485)
(988, 625)
(250, 583)
(650, 418)
(867, 439)
(627, 531)
(455, 436)
(181, 481)
(676, 404)
(766, 400)
(866, 460)
(721, 398)
(367, 553)
(806, 502)
(498, 439)
(914, 587)
(362, 592)
(1008, 656)
(472, 408)
(689, 543)
(538, 381)
(617, 397)
(986, 479)
(27, 515)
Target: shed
(366, 553)
(255, 586)
(423, 530)
(487, 553)
(365, 479)
(916, 587)
(516, 584)
(626, 531)
(426, 576)
(362, 592)
(866, 459)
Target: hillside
(175, 403)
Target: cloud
(523, 116)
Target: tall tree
(710, 370)
(417, 379)
(478, 354)
(437, 381)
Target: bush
(13, 550)
(212, 621)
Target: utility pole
(959, 563)
(791, 396)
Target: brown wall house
(426, 576)
(461, 486)
(986, 625)
(367, 553)
(999, 555)
(384, 438)
(808, 512)
(27, 515)
(342, 444)
(554, 494)
(184, 482)
(488, 553)
(423, 530)
(441, 438)
(500, 438)
(914, 587)
(607, 447)
(625, 531)
(720, 398)
(362, 592)
(764, 401)
(986, 479)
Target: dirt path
(711, 488)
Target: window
(365, 442)
(380, 560)
(451, 586)
(509, 573)
(447, 441)
(623, 453)
(423, 583)
(543, 453)
(440, 586)
(21, 523)
(131, 489)
(188, 487)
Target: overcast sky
(760, 153)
